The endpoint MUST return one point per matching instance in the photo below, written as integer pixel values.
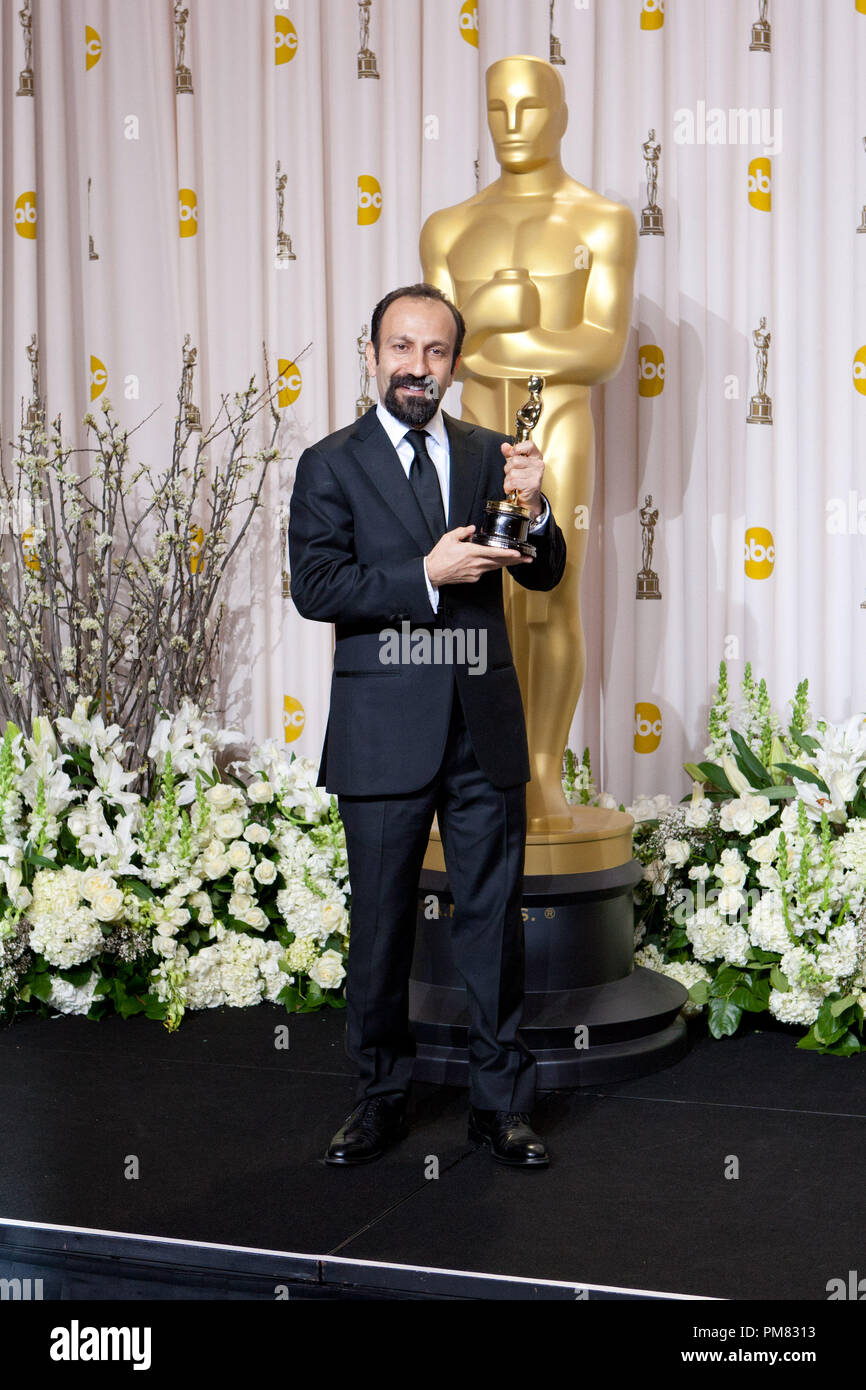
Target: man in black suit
(426, 713)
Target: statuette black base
(590, 1016)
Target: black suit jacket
(357, 541)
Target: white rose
(257, 834)
(243, 882)
(737, 818)
(164, 945)
(732, 871)
(229, 826)
(763, 849)
(77, 822)
(699, 873)
(730, 900)
(260, 793)
(239, 903)
(265, 871)
(328, 970)
(215, 866)
(95, 881)
(676, 852)
(698, 814)
(240, 856)
(202, 904)
(221, 796)
(107, 904)
(254, 917)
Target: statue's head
(526, 112)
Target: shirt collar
(396, 430)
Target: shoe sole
(475, 1138)
(367, 1158)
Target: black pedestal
(590, 1017)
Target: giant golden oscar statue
(542, 269)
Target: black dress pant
(483, 831)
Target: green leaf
(804, 774)
(729, 978)
(838, 1006)
(40, 987)
(129, 1006)
(695, 773)
(762, 959)
(846, 1046)
(724, 1018)
(749, 765)
(31, 857)
(779, 981)
(714, 774)
(782, 792)
(755, 1000)
(140, 889)
(700, 992)
(825, 1027)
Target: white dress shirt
(440, 453)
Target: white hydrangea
(72, 999)
(796, 1005)
(766, 925)
(713, 938)
(63, 927)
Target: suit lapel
(378, 458)
(465, 471)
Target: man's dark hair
(422, 291)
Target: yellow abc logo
(760, 183)
(31, 559)
(293, 718)
(860, 6)
(92, 47)
(289, 382)
(187, 211)
(285, 39)
(196, 541)
(647, 727)
(25, 214)
(652, 14)
(369, 200)
(98, 377)
(760, 552)
(860, 362)
(650, 370)
(469, 21)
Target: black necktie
(425, 483)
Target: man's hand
(452, 561)
(524, 470)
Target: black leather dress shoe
(373, 1126)
(509, 1137)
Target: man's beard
(412, 410)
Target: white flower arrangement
(759, 881)
(208, 892)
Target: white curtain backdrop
(279, 81)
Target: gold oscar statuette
(507, 523)
(542, 269)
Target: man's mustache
(410, 381)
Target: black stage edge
(43, 1262)
(589, 1017)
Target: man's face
(525, 113)
(413, 371)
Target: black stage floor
(735, 1174)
